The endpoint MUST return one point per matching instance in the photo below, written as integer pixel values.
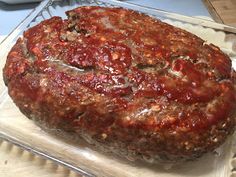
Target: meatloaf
(126, 82)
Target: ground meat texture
(126, 81)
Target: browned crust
(147, 96)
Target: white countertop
(12, 15)
(16, 162)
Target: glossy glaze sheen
(121, 77)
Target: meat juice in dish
(126, 81)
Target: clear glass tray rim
(43, 5)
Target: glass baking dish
(83, 158)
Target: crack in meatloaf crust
(126, 81)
